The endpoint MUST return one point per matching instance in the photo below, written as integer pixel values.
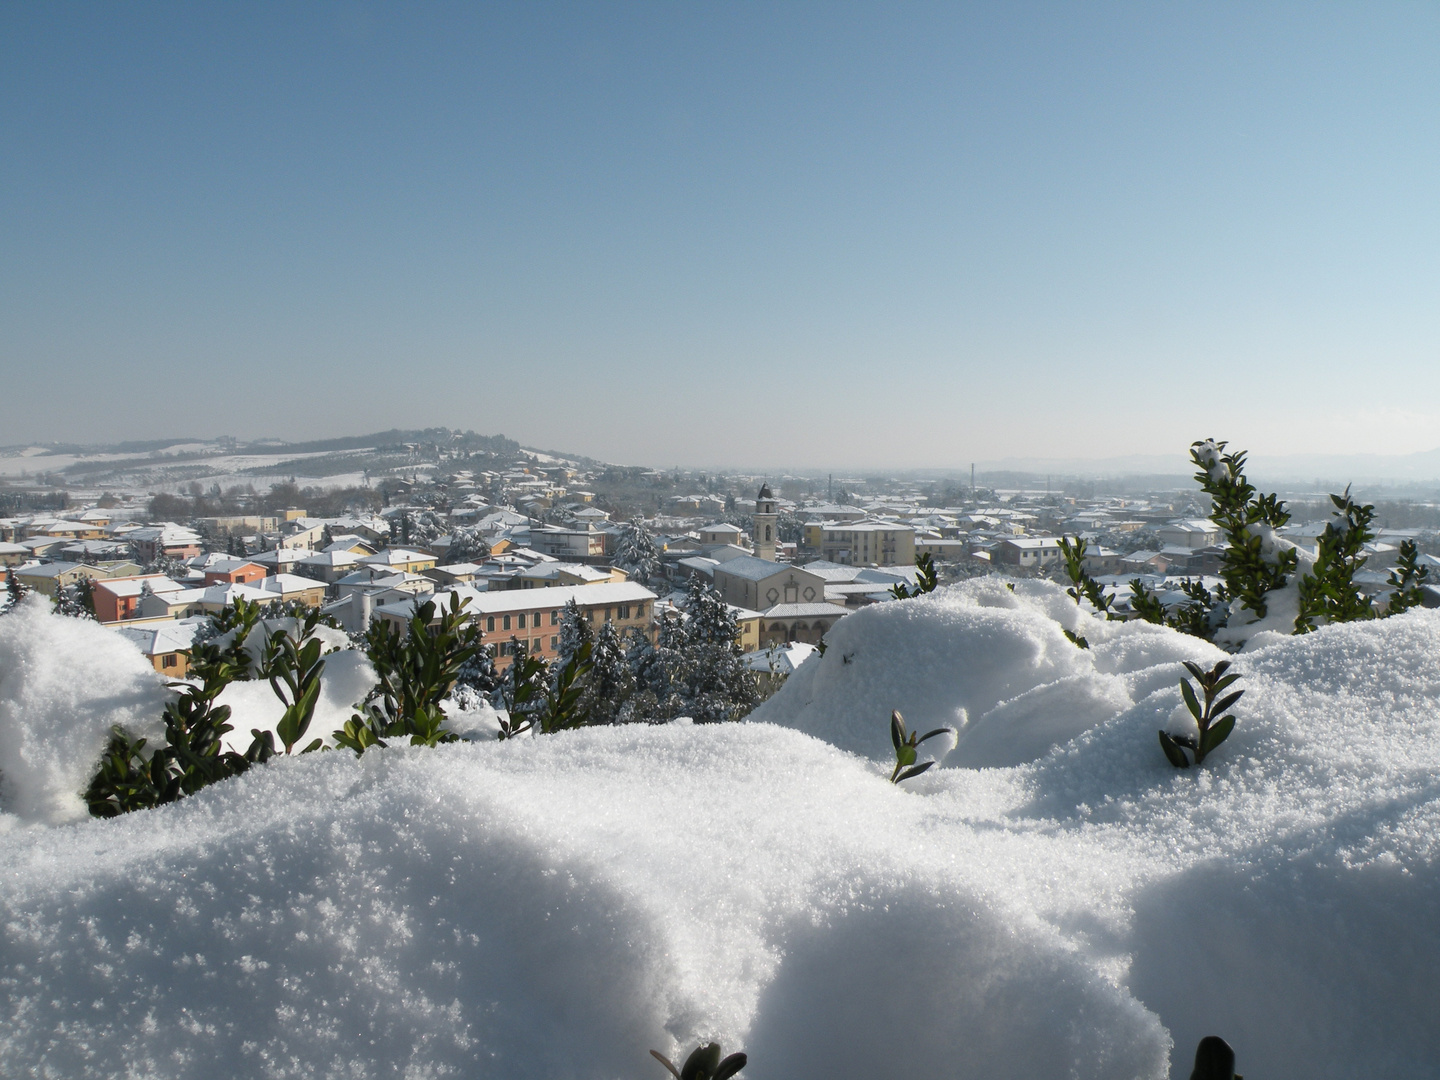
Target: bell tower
(763, 533)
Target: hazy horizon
(844, 237)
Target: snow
(53, 724)
(557, 906)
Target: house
(288, 588)
(533, 616)
(1192, 533)
(399, 560)
(941, 548)
(585, 543)
(50, 578)
(547, 574)
(165, 644)
(118, 599)
(282, 560)
(328, 566)
(722, 533)
(454, 574)
(232, 572)
(761, 584)
(13, 554)
(167, 540)
(1027, 552)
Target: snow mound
(63, 683)
(555, 907)
(540, 908)
(992, 663)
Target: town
(519, 535)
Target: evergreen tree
(651, 664)
(467, 546)
(712, 682)
(1329, 593)
(1407, 580)
(76, 601)
(575, 632)
(636, 553)
(611, 683)
(13, 588)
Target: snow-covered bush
(417, 668)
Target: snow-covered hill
(556, 907)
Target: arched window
(767, 533)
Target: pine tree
(651, 664)
(75, 600)
(467, 546)
(575, 632)
(712, 682)
(13, 588)
(636, 553)
(611, 682)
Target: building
(762, 534)
(549, 574)
(760, 584)
(722, 533)
(583, 544)
(118, 599)
(167, 540)
(861, 543)
(533, 616)
(1195, 533)
(1027, 552)
(50, 578)
(233, 572)
(799, 622)
(399, 560)
(166, 644)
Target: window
(505, 622)
(169, 661)
(607, 614)
(490, 623)
(536, 647)
(536, 623)
(624, 611)
(555, 618)
(522, 620)
(554, 643)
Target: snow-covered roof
(134, 586)
(555, 596)
(753, 569)
(804, 611)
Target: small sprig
(927, 578)
(704, 1063)
(1211, 719)
(1214, 1060)
(905, 748)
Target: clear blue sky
(746, 234)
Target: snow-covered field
(1056, 902)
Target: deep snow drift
(555, 907)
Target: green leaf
(897, 729)
(702, 1062)
(932, 734)
(916, 771)
(1194, 670)
(1217, 733)
(1191, 702)
(730, 1066)
(905, 755)
(1226, 702)
(666, 1062)
(1173, 752)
